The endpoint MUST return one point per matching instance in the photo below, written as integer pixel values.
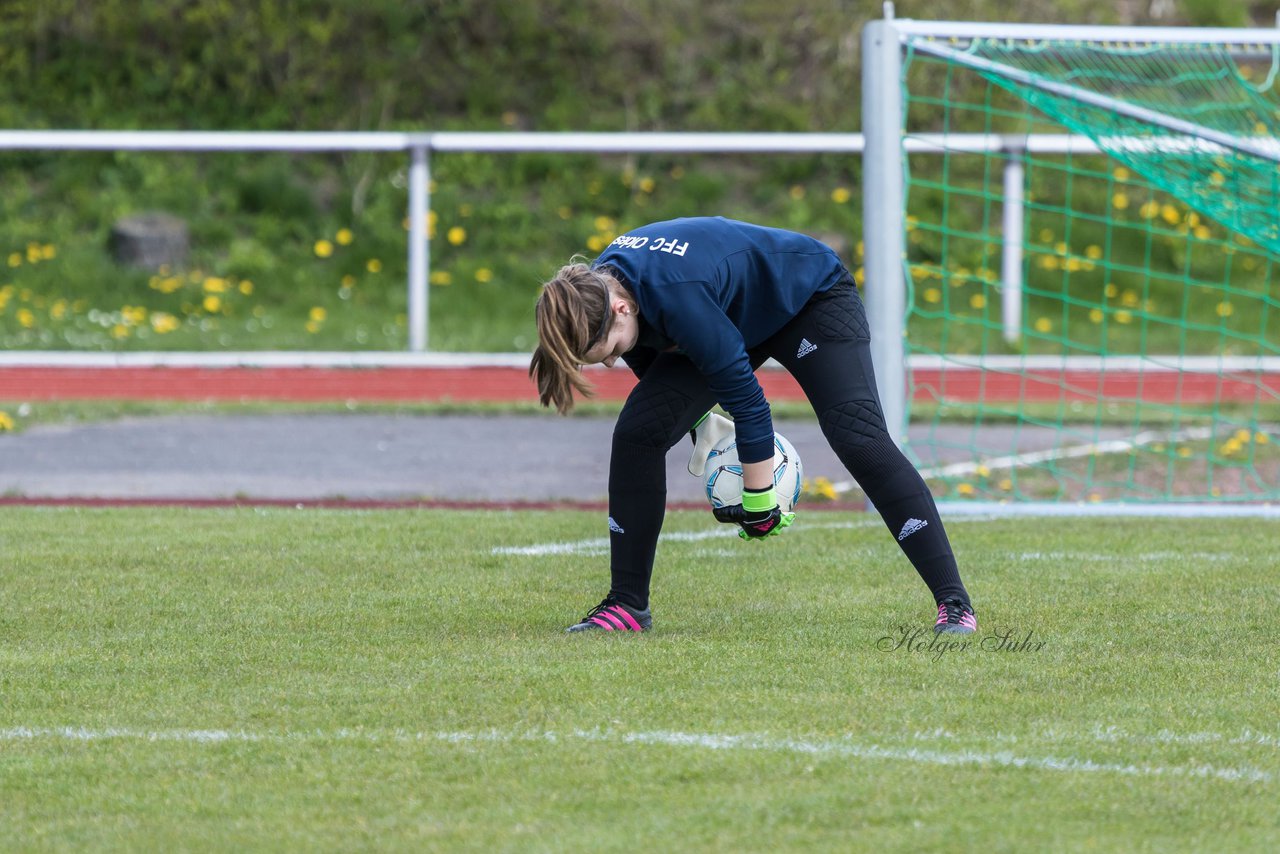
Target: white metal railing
(419, 146)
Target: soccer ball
(724, 473)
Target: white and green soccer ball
(724, 473)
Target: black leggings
(834, 369)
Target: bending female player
(694, 306)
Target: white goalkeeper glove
(709, 430)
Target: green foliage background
(318, 65)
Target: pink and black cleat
(613, 616)
(955, 617)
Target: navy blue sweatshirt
(715, 288)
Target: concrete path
(374, 457)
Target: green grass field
(270, 679)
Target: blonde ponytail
(572, 315)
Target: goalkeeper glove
(709, 430)
(759, 514)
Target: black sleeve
(639, 359)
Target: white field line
(1165, 557)
(1012, 461)
(989, 510)
(824, 749)
(601, 545)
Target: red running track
(506, 384)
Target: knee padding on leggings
(857, 434)
(651, 417)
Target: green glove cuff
(759, 502)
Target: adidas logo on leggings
(911, 527)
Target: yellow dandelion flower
(982, 471)
(484, 274)
(15, 259)
(48, 252)
(1095, 315)
(33, 252)
(1093, 251)
(317, 314)
(1120, 173)
(246, 287)
(932, 295)
(313, 327)
(1201, 232)
(26, 318)
(1123, 316)
(1184, 452)
(457, 235)
(163, 322)
(1261, 438)
(1149, 209)
(1043, 324)
(1241, 435)
(603, 223)
(841, 195)
(595, 243)
(978, 301)
(1048, 262)
(212, 304)
(441, 277)
(344, 237)
(6, 422)
(215, 285)
(826, 488)
(1046, 236)
(965, 489)
(58, 310)
(1225, 309)
(1111, 290)
(323, 248)
(348, 281)
(373, 265)
(647, 185)
(1094, 498)
(1006, 484)
(120, 331)
(1120, 201)
(1217, 179)
(1170, 214)
(796, 192)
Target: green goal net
(1091, 238)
